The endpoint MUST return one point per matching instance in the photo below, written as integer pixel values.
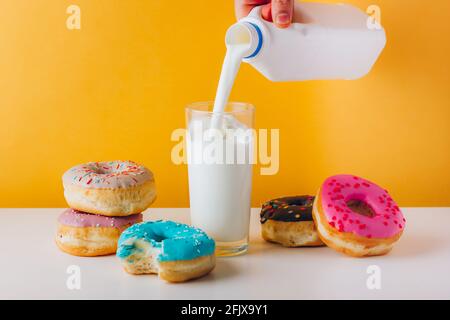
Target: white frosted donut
(110, 188)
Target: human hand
(279, 12)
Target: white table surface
(32, 267)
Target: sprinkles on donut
(84, 234)
(110, 188)
(175, 251)
(288, 221)
(357, 217)
(105, 198)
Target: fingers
(278, 11)
(266, 12)
(243, 7)
(282, 12)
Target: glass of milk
(220, 158)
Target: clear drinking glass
(220, 158)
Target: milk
(238, 43)
(236, 51)
(220, 188)
(220, 200)
(220, 176)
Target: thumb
(282, 12)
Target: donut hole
(99, 170)
(159, 238)
(361, 207)
(301, 201)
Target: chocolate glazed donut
(288, 221)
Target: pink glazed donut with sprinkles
(357, 217)
(111, 188)
(88, 235)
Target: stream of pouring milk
(230, 68)
(220, 192)
(238, 44)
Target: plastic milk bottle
(325, 41)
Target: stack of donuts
(349, 214)
(106, 201)
(104, 198)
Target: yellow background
(118, 87)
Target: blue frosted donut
(175, 251)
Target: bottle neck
(257, 40)
(245, 33)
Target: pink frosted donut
(356, 216)
(84, 234)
